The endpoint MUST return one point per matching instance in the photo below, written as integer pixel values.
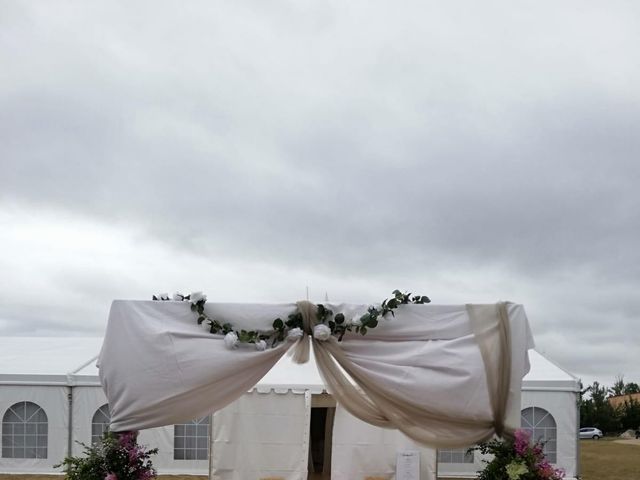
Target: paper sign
(408, 465)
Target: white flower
(231, 340)
(356, 322)
(178, 297)
(197, 297)
(261, 345)
(321, 332)
(294, 334)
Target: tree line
(597, 411)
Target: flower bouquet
(517, 460)
(116, 457)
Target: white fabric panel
(155, 362)
(262, 435)
(53, 400)
(360, 450)
(158, 367)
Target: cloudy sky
(472, 152)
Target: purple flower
(111, 476)
(147, 475)
(522, 442)
(134, 454)
(127, 439)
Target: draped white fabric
(422, 371)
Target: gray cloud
(480, 153)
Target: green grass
(606, 459)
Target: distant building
(619, 400)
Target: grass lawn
(603, 459)
(607, 459)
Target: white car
(590, 432)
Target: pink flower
(111, 476)
(127, 439)
(134, 453)
(522, 442)
(147, 475)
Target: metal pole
(70, 422)
(211, 447)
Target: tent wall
(563, 407)
(361, 450)
(162, 438)
(261, 436)
(86, 400)
(53, 400)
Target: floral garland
(117, 456)
(517, 460)
(329, 324)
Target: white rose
(321, 332)
(294, 334)
(178, 297)
(261, 345)
(231, 340)
(197, 297)
(356, 322)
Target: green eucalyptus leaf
(339, 318)
(278, 324)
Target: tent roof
(45, 360)
(546, 375)
(72, 361)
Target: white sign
(408, 465)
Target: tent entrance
(323, 409)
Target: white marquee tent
(59, 376)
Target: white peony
(178, 297)
(321, 332)
(356, 322)
(231, 340)
(294, 334)
(197, 297)
(261, 345)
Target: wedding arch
(446, 376)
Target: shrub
(115, 457)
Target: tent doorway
(320, 436)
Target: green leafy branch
(338, 324)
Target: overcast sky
(469, 151)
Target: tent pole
(210, 446)
(70, 421)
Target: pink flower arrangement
(117, 457)
(517, 459)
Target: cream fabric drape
(446, 376)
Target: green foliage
(337, 323)
(116, 457)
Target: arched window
(542, 427)
(191, 440)
(100, 423)
(24, 431)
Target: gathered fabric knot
(300, 350)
